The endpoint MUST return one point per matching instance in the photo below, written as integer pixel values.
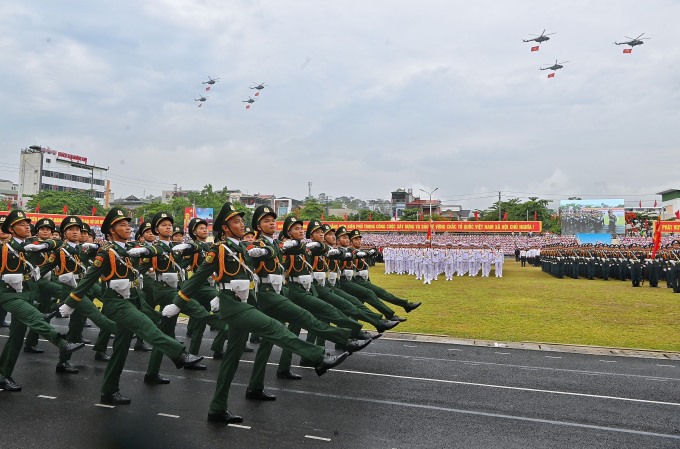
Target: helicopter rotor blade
(543, 32)
(628, 37)
(549, 34)
(640, 36)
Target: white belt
(319, 277)
(349, 274)
(240, 287)
(305, 280)
(120, 286)
(15, 281)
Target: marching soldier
(229, 259)
(16, 281)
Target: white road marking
(46, 397)
(410, 346)
(240, 426)
(502, 353)
(105, 405)
(608, 361)
(312, 437)
(669, 366)
(168, 416)
(552, 357)
(454, 349)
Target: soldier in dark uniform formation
(16, 282)
(122, 305)
(227, 262)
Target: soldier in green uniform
(227, 261)
(363, 279)
(122, 305)
(47, 288)
(3, 237)
(16, 283)
(69, 269)
(177, 235)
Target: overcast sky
(362, 97)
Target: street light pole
(430, 193)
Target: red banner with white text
(437, 226)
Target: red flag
(322, 218)
(141, 218)
(640, 205)
(534, 48)
(37, 208)
(535, 215)
(450, 215)
(657, 236)
(677, 214)
(94, 210)
(628, 50)
(476, 215)
(654, 203)
(422, 216)
(9, 205)
(257, 94)
(505, 216)
(207, 88)
(65, 209)
(247, 106)
(370, 216)
(429, 231)
(551, 75)
(345, 217)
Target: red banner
(437, 226)
(89, 219)
(669, 226)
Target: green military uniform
(16, 283)
(227, 258)
(122, 305)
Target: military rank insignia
(210, 257)
(52, 258)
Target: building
(9, 190)
(132, 202)
(285, 205)
(44, 169)
(670, 202)
(252, 201)
(425, 206)
(400, 198)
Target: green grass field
(529, 305)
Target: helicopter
(249, 100)
(258, 86)
(542, 38)
(555, 66)
(211, 81)
(633, 41)
(201, 98)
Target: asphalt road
(394, 394)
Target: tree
(364, 214)
(52, 202)
(410, 215)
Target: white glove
(181, 247)
(312, 245)
(257, 252)
(89, 246)
(347, 255)
(361, 254)
(138, 252)
(215, 304)
(65, 310)
(291, 243)
(170, 310)
(333, 252)
(35, 247)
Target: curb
(537, 346)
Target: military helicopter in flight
(201, 98)
(249, 100)
(633, 41)
(258, 86)
(211, 81)
(556, 66)
(542, 38)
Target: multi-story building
(400, 198)
(43, 169)
(9, 190)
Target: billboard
(206, 213)
(437, 226)
(598, 216)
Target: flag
(476, 215)
(551, 75)
(535, 215)
(37, 209)
(247, 106)
(9, 205)
(654, 203)
(207, 88)
(421, 217)
(65, 209)
(322, 218)
(505, 216)
(640, 205)
(94, 210)
(429, 231)
(534, 48)
(345, 216)
(450, 215)
(657, 236)
(370, 216)
(395, 214)
(628, 50)
(257, 94)
(141, 218)
(677, 214)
